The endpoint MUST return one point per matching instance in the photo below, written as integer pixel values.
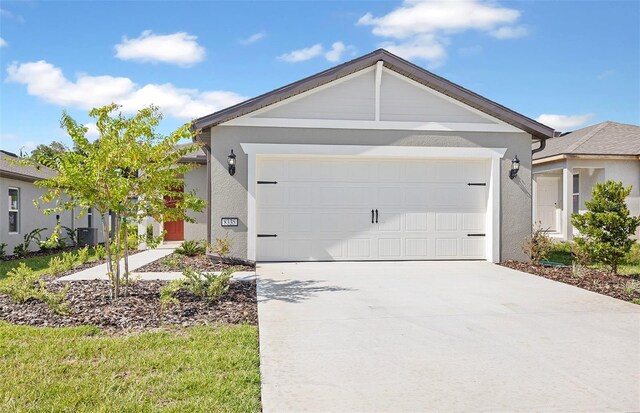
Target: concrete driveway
(441, 336)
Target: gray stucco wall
(229, 193)
(30, 217)
(196, 179)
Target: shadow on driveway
(292, 291)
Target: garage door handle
(376, 216)
(372, 216)
(475, 235)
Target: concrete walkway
(441, 337)
(141, 259)
(99, 272)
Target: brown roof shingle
(606, 138)
(15, 170)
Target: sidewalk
(141, 259)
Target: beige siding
(406, 100)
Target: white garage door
(326, 208)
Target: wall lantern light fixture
(515, 167)
(231, 161)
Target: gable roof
(26, 173)
(391, 62)
(606, 138)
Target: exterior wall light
(231, 161)
(515, 167)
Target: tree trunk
(107, 248)
(116, 242)
(126, 258)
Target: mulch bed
(595, 280)
(199, 263)
(91, 304)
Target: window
(576, 192)
(89, 218)
(14, 210)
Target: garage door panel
(324, 213)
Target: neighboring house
(571, 164)
(374, 159)
(19, 215)
(196, 179)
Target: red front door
(174, 229)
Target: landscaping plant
(54, 242)
(605, 229)
(222, 247)
(192, 248)
(22, 249)
(100, 251)
(68, 260)
(56, 266)
(83, 255)
(538, 245)
(127, 171)
(23, 284)
(3, 253)
(208, 286)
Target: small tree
(606, 227)
(127, 172)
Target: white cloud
(180, 48)
(335, 54)
(3, 43)
(253, 38)
(4, 13)
(421, 29)
(92, 131)
(564, 123)
(607, 74)
(509, 32)
(47, 82)
(301, 55)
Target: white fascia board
(372, 125)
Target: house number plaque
(229, 222)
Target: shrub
(56, 266)
(153, 242)
(172, 261)
(538, 245)
(83, 255)
(100, 251)
(55, 301)
(68, 260)
(192, 248)
(21, 250)
(221, 247)
(54, 242)
(633, 256)
(72, 235)
(605, 229)
(20, 284)
(3, 253)
(208, 286)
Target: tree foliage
(48, 155)
(127, 171)
(605, 229)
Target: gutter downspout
(207, 149)
(543, 143)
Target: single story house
(19, 214)
(570, 165)
(374, 159)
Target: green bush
(23, 284)
(605, 229)
(20, 284)
(192, 248)
(22, 249)
(100, 251)
(56, 266)
(3, 252)
(208, 286)
(83, 255)
(68, 260)
(538, 245)
(54, 242)
(633, 256)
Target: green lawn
(200, 369)
(39, 264)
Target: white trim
(378, 84)
(447, 98)
(309, 92)
(16, 210)
(371, 124)
(253, 150)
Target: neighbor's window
(89, 218)
(14, 210)
(576, 192)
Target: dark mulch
(41, 253)
(591, 279)
(178, 262)
(90, 304)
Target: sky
(567, 64)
